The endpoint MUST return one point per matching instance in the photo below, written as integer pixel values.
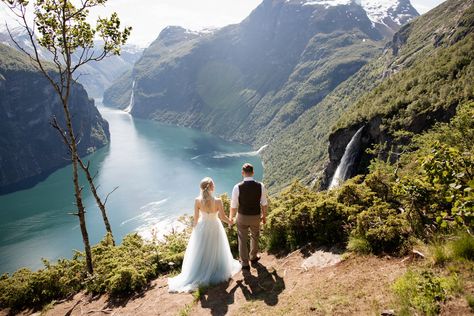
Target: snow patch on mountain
(328, 3)
(378, 11)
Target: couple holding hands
(208, 259)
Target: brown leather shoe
(255, 260)
(245, 267)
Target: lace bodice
(208, 216)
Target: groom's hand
(264, 220)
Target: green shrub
(300, 215)
(27, 288)
(421, 292)
(451, 173)
(126, 280)
(118, 270)
(124, 268)
(356, 195)
(384, 228)
(359, 245)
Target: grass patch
(463, 247)
(470, 301)
(438, 253)
(199, 293)
(186, 310)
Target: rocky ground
(303, 282)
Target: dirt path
(297, 284)
(302, 283)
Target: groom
(249, 199)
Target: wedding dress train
(207, 259)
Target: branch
(95, 175)
(83, 53)
(88, 58)
(30, 33)
(107, 197)
(54, 123)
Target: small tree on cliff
(60, 27)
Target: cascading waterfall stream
(347, 161)
(129, 108)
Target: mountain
(421, 77)
(30, 149)
(250, 81)
(94, 76)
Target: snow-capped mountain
(386, 15)
(391, 13)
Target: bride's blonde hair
(206, 189)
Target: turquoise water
(157, 169)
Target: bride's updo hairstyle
(206, 188)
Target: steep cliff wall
(30, 149)
(428, 73)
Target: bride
(207, 259)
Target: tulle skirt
(208, 259)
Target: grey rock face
(30, 149)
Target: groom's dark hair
(247, 168)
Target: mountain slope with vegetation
(311, 151)
(30, 148)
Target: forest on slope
(401, 80)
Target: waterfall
(347, 161)
(129, 108)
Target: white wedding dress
(207, 259)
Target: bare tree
(61, 27)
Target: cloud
(423, 6)
(149, 17)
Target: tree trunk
(97, 199)
(81, 212)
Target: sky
(149, 17)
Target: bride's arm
(222, 215)
(196, 212)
